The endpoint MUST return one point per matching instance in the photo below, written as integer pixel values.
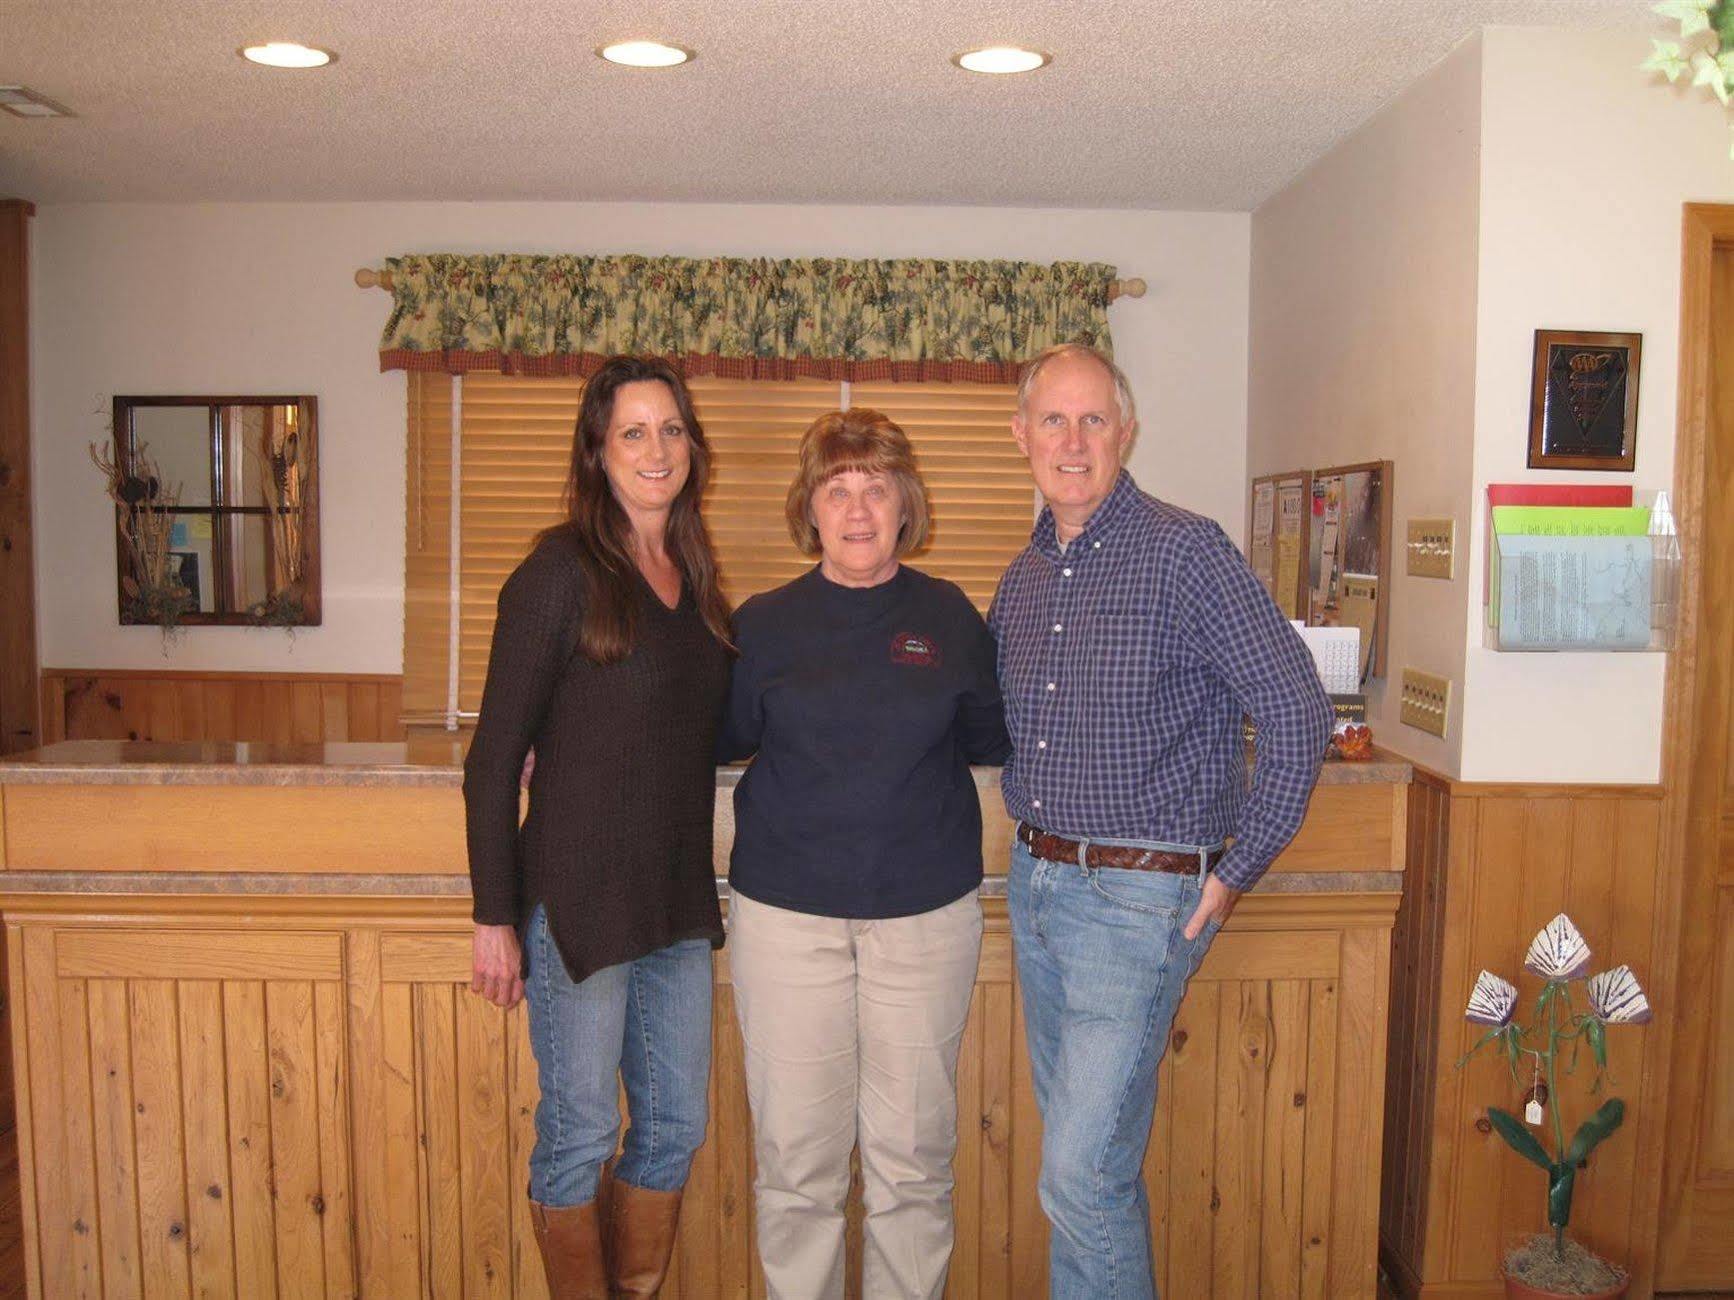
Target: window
(508, 464)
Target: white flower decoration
(1616, 998)
(1492, 1001)
(1558, 952)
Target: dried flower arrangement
(283, 475)
(144, 517)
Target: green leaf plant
(1705, 48)
(1557, 1030)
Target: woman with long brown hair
(610, 661)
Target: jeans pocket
(1153, 893)
(1201, 945)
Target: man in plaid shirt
(1132, 639)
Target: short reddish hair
(864, 440)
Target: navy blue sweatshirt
(865, 707)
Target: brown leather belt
(1057, 848)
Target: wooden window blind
(427, 551)
(508, 460)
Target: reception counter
(248, 1063)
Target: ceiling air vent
(22, 102)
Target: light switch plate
(1426, 701)
(1432, 544)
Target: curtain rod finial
(1133, 288)
(368, 278)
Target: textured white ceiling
(1185, 104)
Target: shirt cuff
(1240, 870)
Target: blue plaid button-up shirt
(1127, 661)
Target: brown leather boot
(570, 1239)
(641, 1229)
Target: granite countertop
(424, 762)
(266, 884)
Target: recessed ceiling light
(1002, 59)
(287, 54)
(21, 101)
(645, 54)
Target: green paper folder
(1558, 521)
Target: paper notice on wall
(1574, 593)
(1324, 579)
(1291, 504)
(1358, 606)
(1261, 554)
(1558, 521)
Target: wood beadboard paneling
(316, 1126)
(1488, 865)
(269, 708)
(1410, 1071)
(19, 724)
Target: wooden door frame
(1705, 227)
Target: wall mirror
(217, 510)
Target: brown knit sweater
(617, 844)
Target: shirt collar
(1119, 499)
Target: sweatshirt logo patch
(913, 648)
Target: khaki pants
(851, 1031)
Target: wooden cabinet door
(187, 1128)
(1695, 1249)
(445, 1095)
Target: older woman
(866, 689)
(610, 657)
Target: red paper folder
(1559, 494)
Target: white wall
(1585, 164)
(133, 298)
(1363, 346)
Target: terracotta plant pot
(1515, 1290)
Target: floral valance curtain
(909, 319)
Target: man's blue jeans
(646, 1022)
(1103, 961)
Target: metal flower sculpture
(1560, 956)
(1558, 952)
(1616, 999)
(1705, 48)
(1493, 1001)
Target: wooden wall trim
(272, 707)
(1458, 788)
(1704, 227)
(1547, 790)
(20, 723)
(200, 675)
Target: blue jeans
(645, 1021)
(1103, 963)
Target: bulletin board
(1280, 511)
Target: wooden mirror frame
(307, 432)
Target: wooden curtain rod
(368, 278)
